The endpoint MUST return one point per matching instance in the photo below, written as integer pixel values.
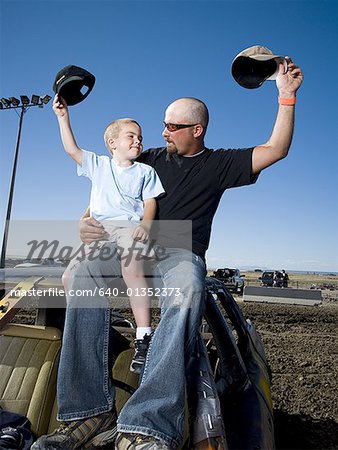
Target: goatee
(172, 150)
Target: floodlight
(35, 99)
(45, 99)
(6, 102)
(24, 99)
(11, 103)
(15, 101)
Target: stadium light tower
(14, 103)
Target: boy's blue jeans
(84, 382)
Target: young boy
(122, 190)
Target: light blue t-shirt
(118, 192)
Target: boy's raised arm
(61, 110)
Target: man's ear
(198, 130)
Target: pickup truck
(231, 278)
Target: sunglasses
(177, 126)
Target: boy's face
(128, 144)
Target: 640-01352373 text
(102, 292)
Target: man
(194, 179)
(285, 279)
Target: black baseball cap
(69, 83)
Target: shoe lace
(64, 427)
(134, 439)
(143, 344)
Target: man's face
(128, 144)
(178, 141)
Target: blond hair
(112, 130)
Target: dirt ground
(301, 347)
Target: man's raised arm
(277, 147)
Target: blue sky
(145, 54)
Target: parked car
(267, 278)
(231, 278)
(275, 278)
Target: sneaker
(80, 433)
(141, 348)
(139, 442)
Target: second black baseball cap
(73, 84)
(252, 66)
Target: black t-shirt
(194, 185)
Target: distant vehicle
(231, 278)
(274, 278)
(267, 277)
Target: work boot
(80, 433)
(128, 441)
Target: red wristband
(287, 101)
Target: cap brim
(261, 57)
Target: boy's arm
(141, 232)
(68, 140)
(149, 213)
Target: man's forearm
(281, 136)
(278, 145)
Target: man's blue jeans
(84, 383)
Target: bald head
(193, 115)
(190, 110)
